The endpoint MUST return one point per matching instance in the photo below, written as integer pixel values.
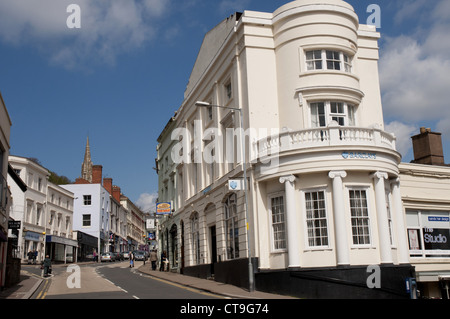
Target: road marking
(43, 292)
(135, 297)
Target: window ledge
(334, 72)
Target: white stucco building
(323, 201)
(425, 189)
(45, 210)
(5, 194)
(135, 223)
(92, 212)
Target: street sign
(14, 224)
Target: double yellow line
(44, 290)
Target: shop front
(429, 247)
(33, 242)
(60, 249)
(87, 244)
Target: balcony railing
(323, 137)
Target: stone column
(341, 235)
(402, 243)
(382, 218)
(291, 221)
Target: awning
(61, 240)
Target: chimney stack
(427, 147)
(116, 193)
(97, 174)
(107, 184)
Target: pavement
(29, 283)
(24, 289)
(211, 286)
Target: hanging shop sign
(163, 208)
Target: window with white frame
(38, 215)
(322, 113)
(87, 200)
(329, 60)
(228, 90)
(210, 161)
(389, 214)
(232, 227)
(359, 217)
(314, 60)
(278, 218)
(86, 220)
(316, 218)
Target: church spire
(86, 167)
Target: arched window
(232, 228)
(195, 231)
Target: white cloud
(415, 68)
(403, 133)
(108, 28)
(147, 202)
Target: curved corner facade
(323, 199)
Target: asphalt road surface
(109, 281)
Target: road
(109, 281)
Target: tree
(58, 180)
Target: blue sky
(121, 76)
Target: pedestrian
(163, 261)
(47, 264)
(153, 259)
(131, 259)
(35, 256)
(30, 257)
(95, 256)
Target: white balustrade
(324, 136)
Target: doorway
(212, 232)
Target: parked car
(120, 256)
(139, 255)
(107, 257)
(126, 255)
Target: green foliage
(59, 180)
(54, 178)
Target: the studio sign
(439, 239)
(435, 238)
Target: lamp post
(250, 265)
